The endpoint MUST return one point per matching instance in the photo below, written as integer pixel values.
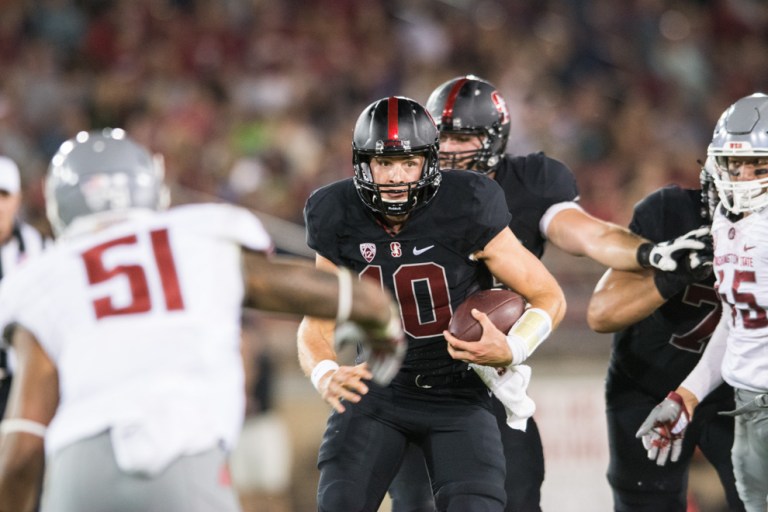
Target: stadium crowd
(250, 100)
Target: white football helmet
(742, 131)
(100, 172)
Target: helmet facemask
(741, 196)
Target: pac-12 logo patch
(368, 251)
(396, 249)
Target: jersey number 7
(136, 275)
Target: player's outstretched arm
(621, 299)
(581, 234)
(33, 401)
(287, 285)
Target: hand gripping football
(503, 308)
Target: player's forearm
(621, 299)
(294, 287)
(315, 343)
(615, 247)
(20, 473)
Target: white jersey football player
(127, 333)
(738, 350)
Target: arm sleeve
(707, 375)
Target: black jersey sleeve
(547, 178)
(326, 207)
(667, 213)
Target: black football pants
(362, 450)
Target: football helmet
(102, 171)
(395, 126)
(742, 131)
(471, 105)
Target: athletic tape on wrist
(321, 369)
(12, 425)
(528, 333)
(345, 296)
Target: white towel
(510, 388)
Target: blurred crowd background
(253, 101)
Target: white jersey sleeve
(741, 267)
(142, 320)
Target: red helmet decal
(393, 127)
(450, 101)
(501, 106)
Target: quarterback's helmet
(470, 105)
(742, 131)
(395, 126)
(102, 171)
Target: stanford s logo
(396, 249)
(368, 251)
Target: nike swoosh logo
(416, 251)
(746, 247)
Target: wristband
(320, 369)
(643, 254)
(528, 333)
(13, 425)
(345, 296)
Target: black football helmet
(395, 126)
(471, 105)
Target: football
(503, 308)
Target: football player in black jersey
(425, 234)
(541, 195)
(662, 323)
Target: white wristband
(345, 296)
(320, 369)
(530, 330)
(11, 425)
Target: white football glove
(664, 255)
(382, 348)
(664, 428)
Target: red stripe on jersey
(447, 117)
(393, 127)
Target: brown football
(503, 308)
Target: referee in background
(18, 241)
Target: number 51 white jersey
(142, 320)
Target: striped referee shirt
(25, 242)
